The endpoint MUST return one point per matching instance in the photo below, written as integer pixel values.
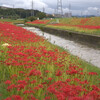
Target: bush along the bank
(33, 69)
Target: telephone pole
(69, 8)
(32, 10)
(43, 10)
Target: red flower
(14, 97)
(93, 73)
(11, 87)
(34, 81)
(58, 73)
(40, 86)
(34, 72)
(47, 98)
(8, 82)
(26, 92)
(20, 86)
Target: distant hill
(7, 12)
(3, 7)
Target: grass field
(18, 21)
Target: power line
(59, 7)
(32, 10)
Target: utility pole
(81, 13)
(32, 10)
(14, 11)
(69, 8)
(43, 10)
(55, 11)
(59, 8)
(13, 6)
(98, 11)
(69, 14)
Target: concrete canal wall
(90, 40)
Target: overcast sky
(78, 7)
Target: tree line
(15, 13)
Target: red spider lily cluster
(79, 26)
(39, 22)
(40, 71)
(83, 21)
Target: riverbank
(89, 40)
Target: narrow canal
(84, 52)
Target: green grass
(4, 73)
(12, 21)
(76, 29)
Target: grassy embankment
(18, 21)
(89, 26)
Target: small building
(69, 14)
(58, 15)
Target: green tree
(41, 15)
(31, 18)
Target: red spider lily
(47, 98)
(20, 86)
(11, 87)
(22, 82)
(83, 21)
(36, 88)
(34, 72)
(28, 92)
(50, 78)
(14, 76)
(21, 72)
(95, 88)
(84, 82)
(31, 97)
(93, 73)
(68, 80)
(14, 97)
(63, 90)
(8, 82)
(79, 26)
(34, 81)
(93, 95)
(47, 71)
(58, 73)
(40, 86)
(39, 22)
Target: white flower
(6, 44)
